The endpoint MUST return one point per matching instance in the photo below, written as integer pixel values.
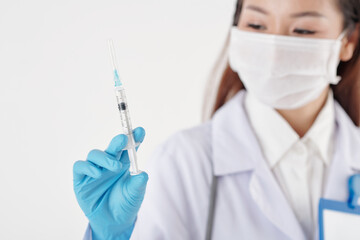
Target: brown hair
(347, 92)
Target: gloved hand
(106, 192)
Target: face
(300, 18)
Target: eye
(256, 26)
(304, 31)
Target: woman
(268, 153)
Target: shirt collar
(235, 147)
(322, 131)
(276, 136)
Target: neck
(301, 119)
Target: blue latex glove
(106, 192)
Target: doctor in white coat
(284, 133)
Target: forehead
(293, 6)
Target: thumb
(136, 186)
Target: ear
(349, 45)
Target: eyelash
(256, 26)
(304, 31)
(297, 30)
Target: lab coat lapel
(236, 150)
(346, 158)
(268, 195)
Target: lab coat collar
(348, 140)
(346, 158)
(235, 147)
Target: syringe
(124, 113)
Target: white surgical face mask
(284, 72)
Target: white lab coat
(250, 203)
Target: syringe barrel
(123, 109)
(127, 128)
(134, 168)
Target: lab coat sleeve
(88, 233)
(177, 195)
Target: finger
(139, 134)
(85, 168)
(117, 144)
(104, 160)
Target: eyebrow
(307, 14)
(294, 15)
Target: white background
(57, 100)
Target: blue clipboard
(337, 207)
